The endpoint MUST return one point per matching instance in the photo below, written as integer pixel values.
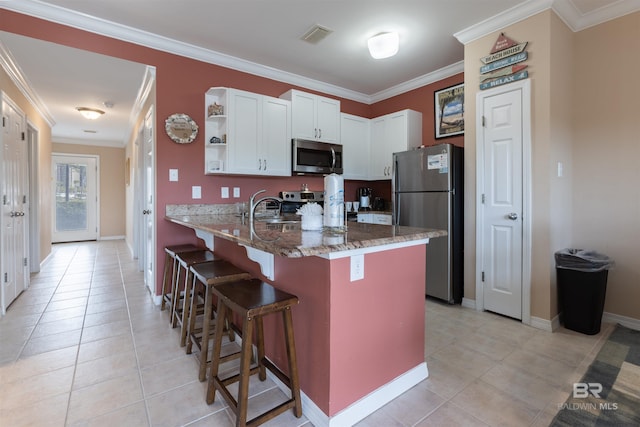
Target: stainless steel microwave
(314, 157)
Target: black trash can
(582, 285)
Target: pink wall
(351, 337)
(181, 83)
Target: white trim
(97, 142)
(373, 249)
(629, 322)
(498, 22)
(34, 196)
(148, 80)
(525, 87)
(13, 70)
(363, 407)
(106, 28)
(110, 238)
(544, 324)
(565, 9)
(468, 303)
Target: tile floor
(85, 346)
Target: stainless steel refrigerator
(427, 188)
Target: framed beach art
(449, 111)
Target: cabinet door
(276, 137)
(328, 120)
(303, 115)
(355, 140)
(396, 132)
(380, 150)
(245, 128)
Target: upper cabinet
(355, 137)
(314, 117)
(392, 133)
(247, 133)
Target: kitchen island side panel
(377, 323)
(351, 337)
(308, 279)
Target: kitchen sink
(278, 220)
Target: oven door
(313, 157)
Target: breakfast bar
(359, 327)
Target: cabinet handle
(319, 133)
(315, 132)
(259, 164)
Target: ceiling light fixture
(383, 45)
(90, 113)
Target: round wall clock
(181, 128)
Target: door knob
(146, 212)
(512, 216)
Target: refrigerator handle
(394, 184)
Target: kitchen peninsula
(359, 327)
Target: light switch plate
(196, 192)
(357, 267)
(236, 192)
(173, 174)
(224, 192)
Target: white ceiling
(263, 37)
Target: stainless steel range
(293, 200)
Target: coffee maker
(364, 195)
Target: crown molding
(13, 70)
(565, 9)
(92, 143)
(503, 19)
(418, 82)
(569, 13)
(106, 28)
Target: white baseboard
(469, 303)
(111, 238)
(363, 407)
(629, 322)
(544, 324)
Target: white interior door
(15, 204)
(75, 190)
(501, 192)
(149, 202)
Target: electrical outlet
(196, 192)
(357, 267)
(236, 192)
(224, 192)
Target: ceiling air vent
(315, 34)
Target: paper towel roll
(333, 201)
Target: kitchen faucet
(253, 203)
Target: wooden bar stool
(253, 299)
(171, 266)
(205, 277)
(180, 312)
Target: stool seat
(253, 299)
(207, 275)
(171, 264)
(180, 314)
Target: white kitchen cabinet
(254, 134)
(355, 137)
(314, 117)
(392, 133)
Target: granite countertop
(288, 239)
